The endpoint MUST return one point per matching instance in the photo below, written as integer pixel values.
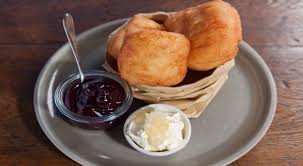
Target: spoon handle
(69, 28)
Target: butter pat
(156, 129)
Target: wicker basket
(191, 98)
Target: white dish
(185, 120)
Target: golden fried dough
(135, 24)
(214, 31)
(154, 57)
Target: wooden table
(30, 32)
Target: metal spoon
(69, 28)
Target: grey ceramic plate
(233, 123)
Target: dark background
(31, 31)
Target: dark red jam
(96, 97)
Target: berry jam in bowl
(98, 103)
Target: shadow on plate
(116, 133)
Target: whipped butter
(157, 129)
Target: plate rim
(231, 158)
(271, 113)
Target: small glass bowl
(93, 123)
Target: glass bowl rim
(60, 92)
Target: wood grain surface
(31, 31)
